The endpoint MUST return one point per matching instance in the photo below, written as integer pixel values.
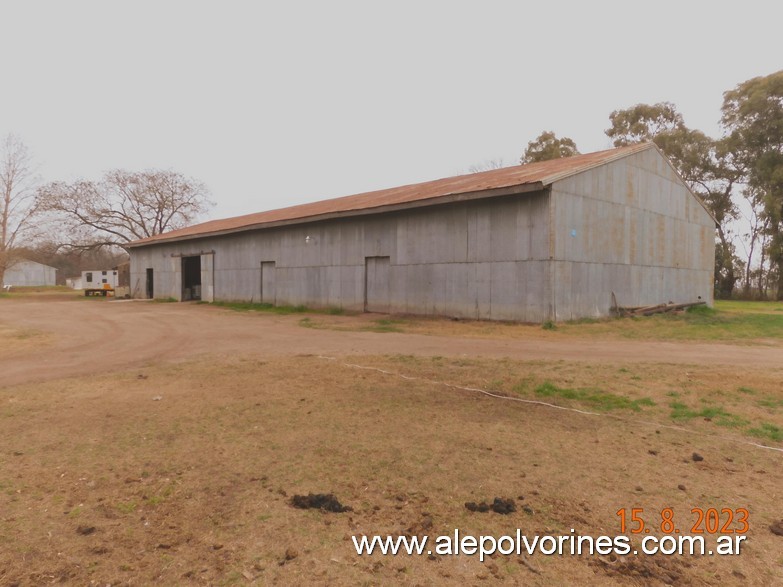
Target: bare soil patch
(16, 341)
(102, 483)
(167, 443)
(94, 335)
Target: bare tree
(488, 165)
(18, 206)
(124, 206)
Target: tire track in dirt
(97, 336)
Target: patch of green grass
(748, 390)
(768, 431)
(771, 403)
(164, 300)
(127, 507)
(701, 311)
(306, 323)
(748, 306)
(385, 325)
(32, 289)
(254, 307)
(728, 320)
(585, 320)
(680, 411)
(717, 414)
(273, 309)
(549, 325)
(595, 398)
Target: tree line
(86, 224)
(739, 176)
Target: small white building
(96, 279)
(29, 273)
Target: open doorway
(150, 284)
(191, 278)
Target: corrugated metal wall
(29, 273)
(630, 227)
(485, 259)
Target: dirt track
(96, 336)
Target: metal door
(268, 290)
(376, 284)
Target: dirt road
(88, 336)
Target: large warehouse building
(545, 241)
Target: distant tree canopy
(643, 122)
(71, 262)
(17, 202)
(753, 119)
(704, 164)
(122, 207)
(744, 166)
(547, 146)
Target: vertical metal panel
(268, 294)
(208, 277)
(649, 223)
(376, 284)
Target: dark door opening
(150, 284)
(191, 278)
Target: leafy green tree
(753, 119)
(643, 122)
(547, 146)
(706, 165)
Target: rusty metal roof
(508, 180)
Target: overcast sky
(277, 103)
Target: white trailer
(99, 283)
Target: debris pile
(319, 501)
(499, 506)
(656, 309)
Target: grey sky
(277, 103)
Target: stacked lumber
(656, 309)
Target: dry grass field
(145, 443)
